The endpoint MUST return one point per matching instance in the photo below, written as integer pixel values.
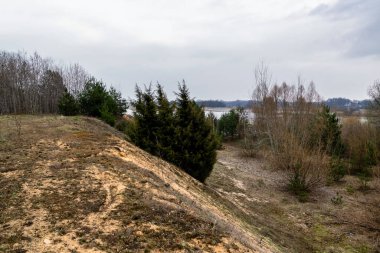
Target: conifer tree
(166, 129)
(331, 132)
(68, 105)
(116, 102)
(228, 124)
(96, 101)
(93, 97)
(195, 145)
(179, 133)
(146, 119)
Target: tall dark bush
(195, 142)
(68, 105)
(96, 101)
(146, 120)
(178, 133)
(93, 97)
(228, 124)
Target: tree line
(94, 101)
(33, 85)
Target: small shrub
(250, 143)
(364, 179)
(350, 190)
(107, 116)
(249, 153)
(303, 197)
(298, 186)
(360, 139)
(338, 170)
(370, 154)
(260, 183)
(305, 170)
(121, 125)
(337, 199)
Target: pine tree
(166, 129)
(93, 97)
(146, 119)
(179, 133)
(116, 102)
(331, 132)
(68, 105)
(96, 101)
(195, 145)
(228, 124)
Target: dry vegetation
(73, 184)
(340, 217)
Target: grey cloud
(364, 35)
(214, 46)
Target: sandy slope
(75, 185)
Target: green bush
(231, 125)
(121, 125)
(107, 116)
(325, 132)
(228, 124)
(338, 170)
(337, 199)
(96, 101)
(68, 105)
(93, 97)
(297, 185)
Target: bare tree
(374, 112)
(374, 93)
(17, 121)
(284, 117)
(32, 84)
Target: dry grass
(315, 226)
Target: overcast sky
(213, 44)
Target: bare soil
(258, 196)
(73, 184)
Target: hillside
(73, 184)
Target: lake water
(219, 111)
